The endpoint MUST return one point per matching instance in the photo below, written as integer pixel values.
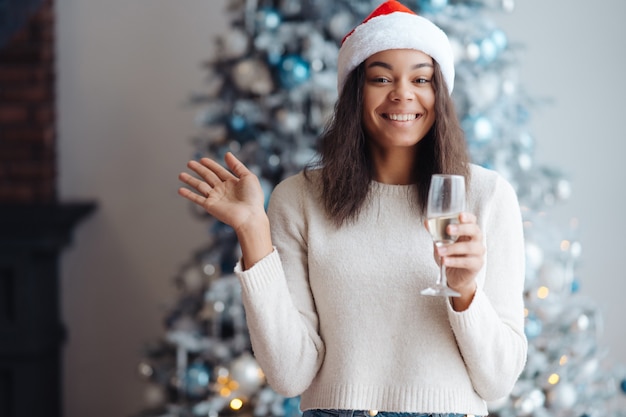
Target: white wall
(126, 67)
(574, 54)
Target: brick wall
(27, 112)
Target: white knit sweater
(336, 315)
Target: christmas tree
(270, 89)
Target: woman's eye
(422, 80)
(381, 80)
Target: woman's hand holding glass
(463, 259)
(459, 250)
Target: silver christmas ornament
(247, 373)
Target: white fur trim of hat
(393, 26)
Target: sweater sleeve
(280, 310)
(490, 333)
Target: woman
(332, 288)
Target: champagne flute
(446, 201)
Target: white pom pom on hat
(394, 26)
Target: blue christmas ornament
(237, 122)
(274, 57)
(432, 6)
(523, 115)
(575, 286)
(526, 141)
(293, 71)
(268, 18)
(499, 39)
(478, 129)
(487, 164)
(488, 51)
(291, 407)
(243, 130)
(267, 187)
(622, 385)
(533, 327)
(196, 381)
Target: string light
(554, 379)
(236, 404)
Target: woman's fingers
(191, 196)
(206, 169)
(471, 265)
(466, 229)
(208, 179)
(466, 217)
(212, 173)
(465, 245)
(468, 251)
(235, 165)
(202, 187)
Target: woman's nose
(402, 91)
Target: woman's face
(398, 98)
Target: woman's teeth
(401, 117)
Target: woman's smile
(401, 117)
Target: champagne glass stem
(443, 279)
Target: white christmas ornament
(553, 275)
(246, 372)
(233, 44)
(154, 395)
(252, 75)
(193, 280)
(563, 396)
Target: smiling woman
(347, 238)
(398, 110)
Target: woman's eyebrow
(389, 67)
(423, 65)
(379, 64)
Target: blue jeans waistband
(372, 413)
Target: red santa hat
(394, 26)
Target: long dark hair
(346, 166)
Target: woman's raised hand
(233, 196)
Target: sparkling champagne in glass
(446, 201)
